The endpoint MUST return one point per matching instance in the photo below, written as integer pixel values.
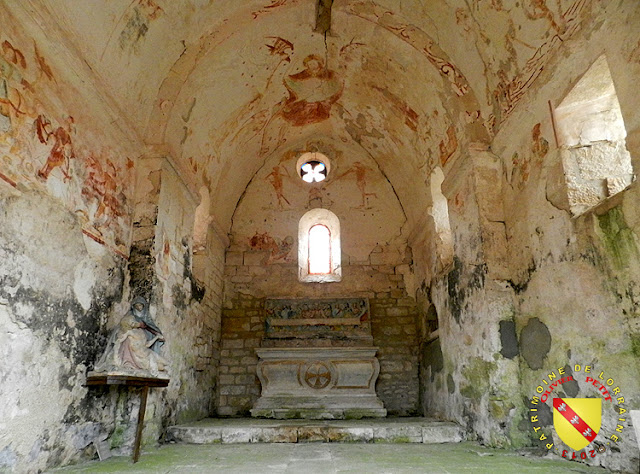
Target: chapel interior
(455, 182)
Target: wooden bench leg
(143, 408)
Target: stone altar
(317, 361)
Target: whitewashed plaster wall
(563, 289)
(68, 204)
(184, 291)
(66, 185)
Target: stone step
(249, 430)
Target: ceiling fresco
(222, 86)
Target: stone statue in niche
(134, 346)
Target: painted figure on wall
(134, 345)
(62, 150)
(539, 146)
(312, 92)
(361, 182)
(311, 95)
(101, 193)
(275, 178)
(448, 145)
(279, 249)
(12, 102)
(280, 47)
(538, 9)
(39, 141)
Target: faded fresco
(137, 21)
(270, 7)
(312, 89)
(276, 179)
(266, 220)
(530, 160)
(359, 171)
(517, 66)
(562, 23)
(289, 83)
(225, 95)
(448, 145)
(280, 250)
(45, 149)
(312, 92)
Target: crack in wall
(323, 17)
(323, 23)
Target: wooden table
(131, 381)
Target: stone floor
(309, 458)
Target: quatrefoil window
(313, 172)
(313, 167)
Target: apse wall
(85, 225)
(550, 293)
(262, 262)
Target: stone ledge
(333, 413)
(389, 430)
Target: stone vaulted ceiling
(223, 85)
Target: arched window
(319, 247)
(440, 213)
(592, 139)
(319, 250)
(201, 222)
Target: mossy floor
(332, 458)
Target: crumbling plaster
(70, 210)
(566, 285)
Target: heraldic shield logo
(577, 420)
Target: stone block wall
(393, 322)
(208, 271)
(394, 328)
(242, 331)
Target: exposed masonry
(393, 323)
